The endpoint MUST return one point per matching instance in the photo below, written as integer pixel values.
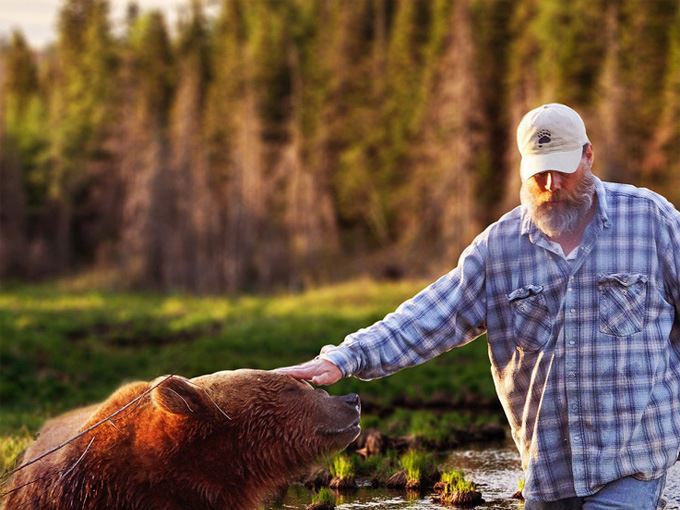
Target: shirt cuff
(341, 358)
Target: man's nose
(553, 181)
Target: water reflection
(495, 469)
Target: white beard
(556, 219)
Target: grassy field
(60, 348)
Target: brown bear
(221, 441)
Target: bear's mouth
(353, 427)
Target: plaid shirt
(585, 353)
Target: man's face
(557, 201)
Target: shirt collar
(601, 193)
(528, 226)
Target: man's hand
(317, 371)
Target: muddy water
(496, 470)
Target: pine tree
(22, 171)
(147, 85)
(80, 122)
(310, 219)
(450, 152)
(662, 162)
(190, 215)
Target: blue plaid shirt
(585, 353)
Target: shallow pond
(496, 470)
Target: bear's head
(250, 430)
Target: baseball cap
(550, 137)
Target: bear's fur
(220, 441)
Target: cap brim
(566, 162)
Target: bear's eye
(299, 387)
(292, 391)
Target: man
(578, 290)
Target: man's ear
(178, 395)
(590, 154)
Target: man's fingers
(317, 371)
(303, 371)
(324, 379)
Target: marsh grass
(342, 467)
(455, 489)
(378, 467)
(455, 481)
(417, 464)
(411, 462)
(325, 496)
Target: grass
(65, 347)
(11, 447)
(324, 497)
(379, 467)
(435, 427)
(342, 467)
(455, 490)
(454, 481)
(415, 463)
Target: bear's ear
(178, 395)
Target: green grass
(11, 447)
(436, 427)
(342, 467)
(379, 467)
(325, 496)
(454, 481)
(416, 463)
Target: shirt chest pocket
(622, 299)
(531, 317)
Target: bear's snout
(353, 401)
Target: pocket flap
(625, 279)
(525, 292)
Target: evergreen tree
(147, 88)
(662, 162)
(451, 149)
(80, 122)
(643, 40)
(22, 170)
(190, 214)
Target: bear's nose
(353, 400)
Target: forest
(271, 144)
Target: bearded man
(578, 290)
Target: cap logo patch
(544, 136)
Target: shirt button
(577, 439)
(572, 342)
(572, 374)
(573, 310)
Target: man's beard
(561, 215)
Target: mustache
(559, 212)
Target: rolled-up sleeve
(448, 313)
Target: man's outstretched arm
(448, 313)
